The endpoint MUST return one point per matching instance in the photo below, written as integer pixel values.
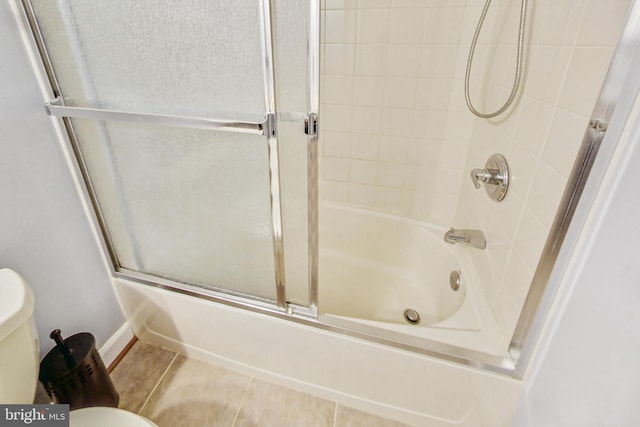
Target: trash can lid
(54, 365)
(16, 302)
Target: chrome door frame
(56, 108)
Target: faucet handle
(480, 175)
(495, 176)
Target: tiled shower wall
(571, 43)
(397, 136)
(389, 139)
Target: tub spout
(473, 238)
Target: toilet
(20, 361)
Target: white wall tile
(370, 60)
(408, 3)
(517, 279)
(340, 26)
(373, 25)
(374, 4)
(564, 140)
(341, 4)
(335, 191)
(403, 60)
(339, 59)
(389, 199)
(361, 195)
(508, 212)
(366, 120)
(362, 172)
(544, 72)
(390, 175)
(584, 79)
(443, 25)
(602, 22)
(438, 61)
(407, 25)
(507, 314)
(433, 94)
(394, 149)
(459, 126)
(338, 89)
(367, 90)
(530, 239)
(429, 124)
(546, 192)
(364, 146)
(336, 169)
(337, 118)
(336, 144)
(533, 125)
(561, 23)
(400, 92)
(396, 122)
(522, 166)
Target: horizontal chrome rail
(56, 108)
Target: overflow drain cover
(412, 316)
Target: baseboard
(114, 345)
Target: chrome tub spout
(473, 238)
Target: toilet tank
(19, 356)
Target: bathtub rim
(504, 365)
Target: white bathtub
(374, 266)
(407, 386)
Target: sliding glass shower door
(171, 111)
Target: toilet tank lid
(16, 302)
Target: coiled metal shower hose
(516, 82)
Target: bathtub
(374, 266)
(333, 363)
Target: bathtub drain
(412, 316)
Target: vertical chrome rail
(274, 164)
(313, 54)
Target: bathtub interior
(374, 266)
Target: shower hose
(516, 81)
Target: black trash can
(73, 372)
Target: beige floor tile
(267, 405)
(138, 373)
(196, 394)
(349, 417)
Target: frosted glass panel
(192, 57)
(290, 36)
(189, 205)
(290, 28)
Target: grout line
(158, 383)
(335, 413)
(244, 395)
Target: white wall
(44, 233)
(586, 370)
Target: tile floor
(174, 390)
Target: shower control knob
(495, 176)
